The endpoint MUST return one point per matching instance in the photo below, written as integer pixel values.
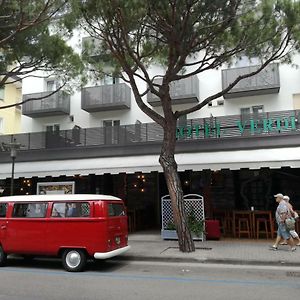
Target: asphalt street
(115, 279)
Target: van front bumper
(105, 255)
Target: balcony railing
(265, 82)
(56, 104)
(236, 126)
(182, 91)
(106, 97)
(93, 50)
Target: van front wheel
(74, 260)
(3, 257)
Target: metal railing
(106, 97)
(181, 91)
(265, 82)
(55, 104)
(235, 126)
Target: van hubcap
(73, 259)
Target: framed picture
(47, 188)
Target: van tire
(74, 260)
(3, 257)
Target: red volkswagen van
(73, 227)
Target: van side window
(71, 209)
(3, 209)
(116, 209)
(30, 210)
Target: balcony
(92, 48)
(106, 97)
(181, 91)
(54, 105)
(265, 82)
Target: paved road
(45, 279)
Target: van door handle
(3, 226)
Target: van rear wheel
(3, 257)
(74, 260)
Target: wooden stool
(262, 227)
(226, 226)
(244, 227)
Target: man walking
(282, 212)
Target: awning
(234, 160)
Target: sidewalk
(150, 246)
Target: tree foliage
(186, 37)
(183, 38)
(32, 41)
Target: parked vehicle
(73, 227)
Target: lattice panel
(192, 203)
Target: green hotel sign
(215, 129)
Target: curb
(206, 261)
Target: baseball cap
(286, 198)
(278, 195)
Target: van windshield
(116, 209)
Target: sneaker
(283, 243)
(274, 248)
(298, 245)
(293, 249)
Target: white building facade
(236, 151)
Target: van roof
(57, 197)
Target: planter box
(172, 235)
(193, 205)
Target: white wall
(210, 82)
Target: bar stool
(227, 224)
(262, 227)
(244, 227)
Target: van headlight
(118, 240)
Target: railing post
(29, 140)
(125, 135)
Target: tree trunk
(169, 165)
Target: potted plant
(196, 227)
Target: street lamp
(12, 147)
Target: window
(110, 123)
(259, 109)
(1, 93)
(245, 61)
(252, 113)
(256, 110)
(30, 210)
(70, 209)
(53, 129)
(182, 121)
(111, 131)
(1, 125)
(50, 86)
(110, 80)
(116, 209)
(3, 209)
(245, 114)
